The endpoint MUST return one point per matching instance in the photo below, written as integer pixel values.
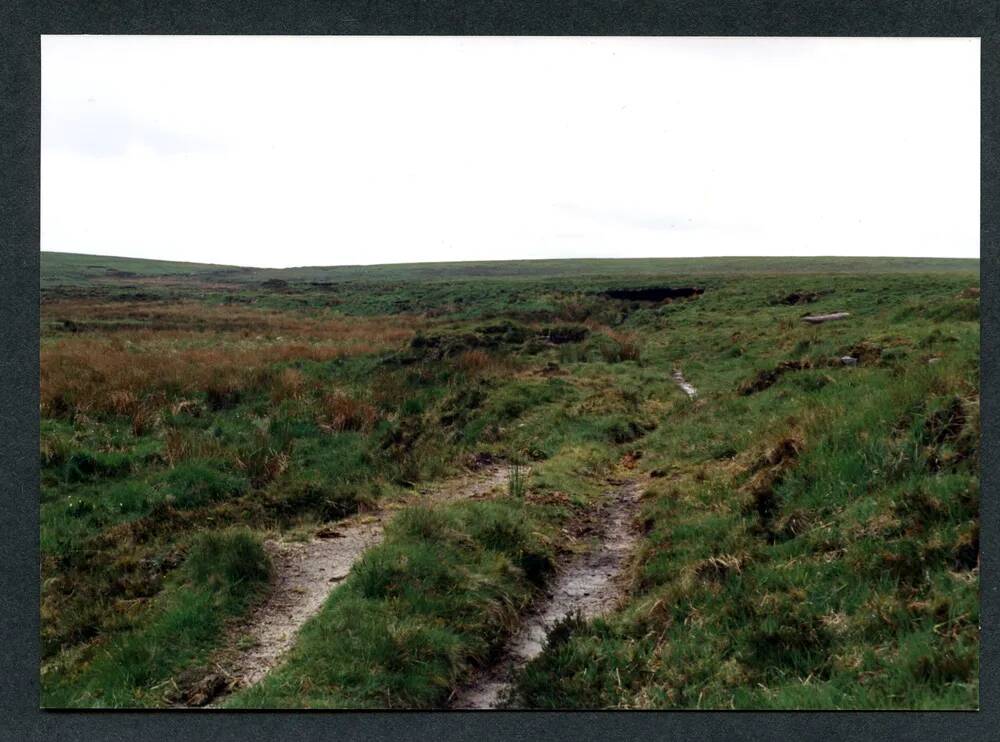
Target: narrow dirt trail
(303, 576)
(589, 584)
(687, 388)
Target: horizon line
(516, 260)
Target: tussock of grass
(516, 479)
(198, 482)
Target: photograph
(458, 373)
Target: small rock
(816, 319)
(849, 360)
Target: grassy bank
(813, 544)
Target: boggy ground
(808, 534)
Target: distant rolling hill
(58, 268)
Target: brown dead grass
(180, 445)
(473, 361)
(342, 412)
(629, 348)
(135, 372)
(290, 383)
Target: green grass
(73, 268)
(516, 476)
(417, 613)
(811, 544)
(221, 575)
(836, 578)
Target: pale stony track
(303, 575)
(589, 585)
(687, 388)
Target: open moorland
(538, 484)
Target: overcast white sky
(281, 151)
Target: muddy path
(686, 387)
(303, 575)
(589, 583)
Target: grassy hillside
(809, 527)
(60, 268)
(69, 268)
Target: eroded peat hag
(655, 293)
(588, 585)
(303, 576)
